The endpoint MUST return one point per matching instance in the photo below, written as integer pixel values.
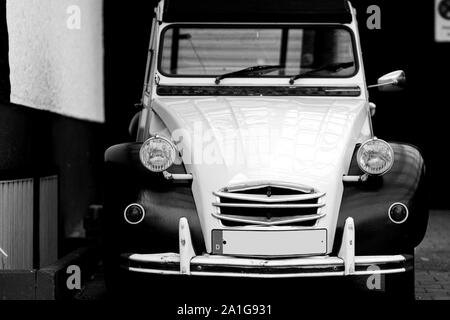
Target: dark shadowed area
(5, 87)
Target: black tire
(392, 287)
(115, 284)
(401, 286)
(123, 285)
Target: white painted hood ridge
(227, 140)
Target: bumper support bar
(347, 251)
(187, 252)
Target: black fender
(165, 202)
(368, 204)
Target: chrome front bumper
(344, 264)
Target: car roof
(263, 11)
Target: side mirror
(394, 81)
(372, 108)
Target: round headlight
(158, 154)
(375, 157)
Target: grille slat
(281, 187)
(271, 199)
(269, 204)
(269, 222)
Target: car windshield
(213, 51)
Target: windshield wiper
(333, 67)
(255, 70)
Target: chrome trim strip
(362, 178)
(311, 274)
(295, 275)
(342, 89)
(271, 199)
(177, 177)
(155, 271)
(275, 222)
(268, 206)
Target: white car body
(301, 144)
(326, 132)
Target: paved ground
(433, 259)
(432, 264)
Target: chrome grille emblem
(269, 204)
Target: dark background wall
(127, 35)
(405, 41)
(418, 115)
(5, 88)
(34, 142)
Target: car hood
(232, 140)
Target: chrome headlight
(375, 157)
(158, 154)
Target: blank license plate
(269, 243)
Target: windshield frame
(262, 26)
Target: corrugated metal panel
(16, 224)
(48, 224)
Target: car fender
(368, 204)
(165, 203)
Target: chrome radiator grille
(269, 204)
